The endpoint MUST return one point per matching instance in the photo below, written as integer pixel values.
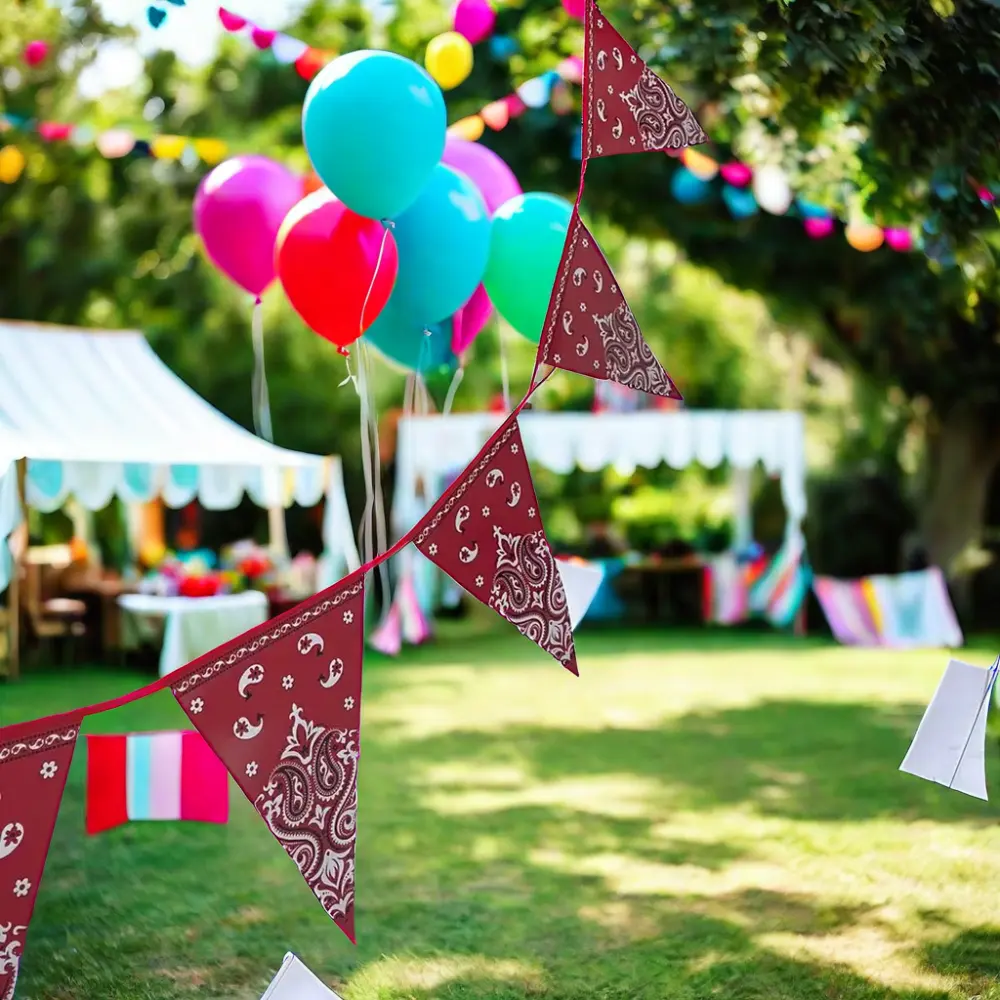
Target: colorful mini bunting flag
(486, 533)
(281, 706)
(627, 108)
(34, 761)
(590, 329)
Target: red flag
(281, 706)
(34, 761)
(627, 108)
(486, 533)
(590, 329)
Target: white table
(196, 625)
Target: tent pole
(14, 595)
(277, 533)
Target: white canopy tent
(431, 447)
(96, 414)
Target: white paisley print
(630, 360)
(528, 591)
(310, 804)
(11, 941)
(663, 119)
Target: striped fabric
(154, 776)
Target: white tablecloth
(195, 625)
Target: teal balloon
(529, 232)
(374, 128)
(409, 344)
(688, 189)
(740, 202)
(442, 243)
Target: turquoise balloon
(688, 189)
(405, 342)
(374, 128)
(527, 243)
(443, 243)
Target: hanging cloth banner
(487, 535)
(281, 706)
(590, 329)
(34, 762)
(627, 108)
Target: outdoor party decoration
(443, 240)
(154, 776)
(295, 982)
(34, 762)
(36, 52)
(374, 128)
(949, 746)
(411, 345)
(627, 108)
(491, 175)
(528, 236)
(238, 211)
(486, 533)
(906, 610)
(448, 59)
(12, 164)
(474, 20)
(589, 327)
(864, 236)
(337, 268)
(770, 188)
(281, 706)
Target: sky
(192, 31)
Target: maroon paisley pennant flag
(486, 533)
(34, 761)
(590, 329)
(627, 108)
(281, 706)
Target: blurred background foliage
(883, 107)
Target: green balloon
(525, 248)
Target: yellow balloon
(864, 236)
(470, 128)
(448, 59)
(11, 164)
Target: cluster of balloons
(412, 239)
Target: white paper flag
(949, 746)
(286, 49)
(581, 582)
(295, 982)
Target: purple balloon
(238, 211)
(474, 19)
(495, 180)
(470, 320)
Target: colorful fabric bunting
(34, 761)
(281, 706)
(486, 533)
(154, 776)
(590, 329)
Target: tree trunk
(962, 453)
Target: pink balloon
(818, 227)
(495, 180)
(737, 174)
(238, 211)
(469, 321)
(474, 19)
(574, 8)
(899, 239)
(36, 52)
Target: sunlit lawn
(698, 815)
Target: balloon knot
(388, 223)
(257, 300)
(428, 333)
(343, 352)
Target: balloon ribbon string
(261, 397)
(504, 373)
(365, 540)
(162, 683)
(371, 285)
(456, 381)
(381, 535)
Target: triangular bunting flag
(590, 329)
(486, 533)
(34, 762)
(281, 706)
(627, 108)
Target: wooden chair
(52, 619)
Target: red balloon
(337, 268)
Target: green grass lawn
(698, 815)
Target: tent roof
(103, 396)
